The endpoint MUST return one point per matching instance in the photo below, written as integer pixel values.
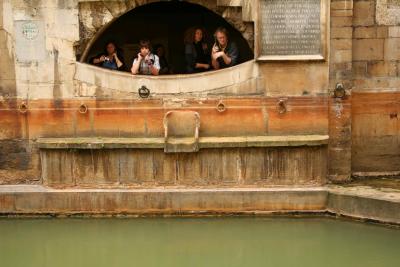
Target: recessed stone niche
(94, 16)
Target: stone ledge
(242, 79)
(357, 202)
(42, 200)
(204, 142)
(382, 205)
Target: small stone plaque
(291, 28)
(29, 40)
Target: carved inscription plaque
(30, 43)
(290, 27)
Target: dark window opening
(165, 23)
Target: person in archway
(224, 52)
(197, 54)
(146, 63)
(165, 68)
(111, 58)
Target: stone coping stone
(204, 142)
(366, 203)
(240, 79)
(376, 204)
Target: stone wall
(364, 56)
(365, 53)
(51, 74)
(17, 164)
(216, 167)
(376, 92)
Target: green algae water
(199, 242)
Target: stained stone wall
(363, 55)
(376, 92)
(49, 75)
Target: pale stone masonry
(44, 87)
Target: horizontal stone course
(204, 142)
(357, 201)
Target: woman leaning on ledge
(224, 52)
(197, 54)
(111, 58)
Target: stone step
(353, 201)
(204, 142)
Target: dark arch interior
(165, 23)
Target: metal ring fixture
(23, 108)
(83, 108)
(221, 106)
(281, 106)
(144, 92)
(339, 92)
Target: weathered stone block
(14, 155)
(364, 13)
(341, 44)
(277, 82)
(340, 56)
(341, 21)
(346, 66)
(359, 68)
(373, 83)
(368, 49)
(394, 31)
(364, 32)
(394, 83)
(345, 4)
(392, 49)
(387, 12)
(341, 32)
(398, 68)
(382, 68)
(342, 13)
(382, 32)
(3, 40)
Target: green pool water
(191, 242)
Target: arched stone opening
(165, 23)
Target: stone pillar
(7, 66)
(339, 148)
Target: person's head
(159, 50)
(221, 36)
(198, 35)
(145, 47)
(111, 48)
(194, 35)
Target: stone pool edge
(357, 202)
